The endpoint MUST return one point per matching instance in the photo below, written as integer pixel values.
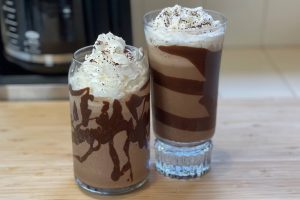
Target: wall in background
(252, 23)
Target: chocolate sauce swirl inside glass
(184, 57)
(110, 136)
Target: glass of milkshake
(184, 47)
(109, 103)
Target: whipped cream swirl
(182, 18)
(112, 69)
(193, 27)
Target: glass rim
(223, 21)
(90, 48)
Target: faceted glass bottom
(178, 161)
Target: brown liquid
(184, 106)
(110, 138)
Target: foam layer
(112, 69)
(185, 26)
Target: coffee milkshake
(185, 47)
(109, 101)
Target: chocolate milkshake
(109, 102)
(185, 47)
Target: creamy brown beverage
(184, 103)
(185, 47)
(109, 101)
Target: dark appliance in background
(40, 36)
(102, 16)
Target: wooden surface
(256, 154)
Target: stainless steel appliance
(40, 35)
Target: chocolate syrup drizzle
(109, 127)
(207, 63)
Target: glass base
(105, 191)
(178, 161)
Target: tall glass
(184, 91)
(110, 136)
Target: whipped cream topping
(112, 69)
(182, 18)
(178, 25)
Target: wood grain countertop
(256, 154)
